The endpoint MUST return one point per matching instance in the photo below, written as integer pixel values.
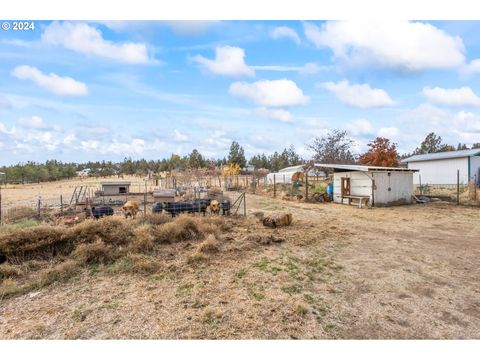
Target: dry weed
(209, 245)
(143, 240)
(94, 253)
(7, 270)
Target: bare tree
(334, 148)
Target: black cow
(98, 213)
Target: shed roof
(362, 167)
(443, 155)
(115, 183)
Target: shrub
(40, 242)
(61, 272)
(143, 240)
(112, 231)
(183, 228)
(93, 253)
(156, 219)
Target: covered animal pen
(371, 185)
(119, 187)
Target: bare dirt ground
(341, 272)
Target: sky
(80, 90)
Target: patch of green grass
(184, 289)
(256, 295)
(264, 265)
(320, 309)
(292, 289)
(241, 273)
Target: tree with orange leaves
(381, 153)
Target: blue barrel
(330, 189)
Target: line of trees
(334, 148)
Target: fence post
(274, 186)
(458, 187)
(420, 183)
(39, 206)
(61, 204)
(306, 186)
(245, 203)
(0, 205)
(145, 200)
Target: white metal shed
(380, 186)
(441, 168)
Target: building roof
(115, 183)
(291, 169)
(443, 155)
(362, 167)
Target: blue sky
(78, 91)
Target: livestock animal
(99, 212)
(215, 207)
(277, 219)
(175, 208)
(225, 205)
(157, 207)
(130, 208)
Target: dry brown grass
(21, 213)
(209, 245)
(39, 242)
(155, 219)
(143, 240)
(183, 228)
(8, 270)
(112, 230)
(94, 253)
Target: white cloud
(4, 102)
(358, 95)
(307, 69)
(33, 122)
(270, 93)
(453, 97)
(229, 60)
(471, 68)
(360, 127)
(388, 132)
(284, 32)
(178, 136)
(52, 82)
(275, 114)
(86, 39)
(405, 45)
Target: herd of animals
(131, 208)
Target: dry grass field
(407, 272)
(27, 194)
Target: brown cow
(130, 208)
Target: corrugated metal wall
(393, 188)
(360, 184)
(440, 172)
(396, 188)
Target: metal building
(120, 187)
(372, 185)
(441, 168)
